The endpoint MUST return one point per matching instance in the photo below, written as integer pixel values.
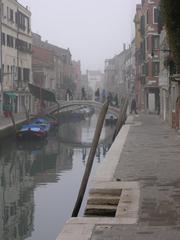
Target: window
(145, 69)
(13, 209)
(156, 15)
(155, 42)
(143, 1)
(3, 69)
(11, 16)
(7, 13)
(30, 47)
(155, 69)
(22, 45)
(142, 25)
(19, 74)
(3, 39)
(10, 41)
(21, 21)
(147, 17)
(26, 74)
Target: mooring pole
(13, 121)
(58, 106)
(90, 159)
(121, 118)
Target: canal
(39, 181)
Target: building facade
(76, 78)
(62, 65)
(148, 55)
(130, 71)
(16, 56)
(95, 80)
(164, 84)
(115, 74)
(138, 59)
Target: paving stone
(150, 157)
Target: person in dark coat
(110, 98)
(83, 94)
(133, 106)
(68, 94)
(97, 95)
(116, 100)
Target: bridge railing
(73, 103)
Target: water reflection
(16, 193)
(39, 180)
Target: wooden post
(26, 112)
(90, 159)
(121, 118)
(58, 106)
(13, 121)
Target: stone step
(106, 191)
(100, 210)
(103, 199)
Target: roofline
(25, 8)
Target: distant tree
(170, 10)
(69, 84)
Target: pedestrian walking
(109, 98)
(83, 94)
(68, 93)
(116, 100)
(133, 106)
(97, 95)
(103, 95)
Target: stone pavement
(7, 122)
(150, 156)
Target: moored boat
(31, 131)
(43, 123)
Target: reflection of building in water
(50, 161)
(98, 153)
(65, 158)
(88, 130)
(109, 130)
(16, 196)
(84, 152)
(20, 171)
(70, 132)
(52, 146)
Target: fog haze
(93, 30)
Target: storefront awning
(11, 94)
(42, 93)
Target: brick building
(148, 54)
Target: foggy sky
(93, 30)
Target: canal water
(39, 181)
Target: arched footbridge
(65, 106)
